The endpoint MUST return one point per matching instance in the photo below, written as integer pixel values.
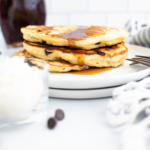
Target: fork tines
(145, 60)
(142, 56)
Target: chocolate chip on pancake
(97, 43)
(43, 42)
(47, 52)
(101, 53)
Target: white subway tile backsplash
(52, 20)
(108, 5)
(82, 19)
(119, 20)
(96, 12)
(48, 6)
(69, 5)
(139, 5)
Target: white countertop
(84, 128)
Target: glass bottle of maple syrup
(15, 14)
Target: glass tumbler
(39, 109)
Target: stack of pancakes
(68, 48)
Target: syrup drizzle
(78, 34)
(80, 59)
(91, 71)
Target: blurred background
(96, 12)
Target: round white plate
(114, 77)
(81, 94)
(71, 86)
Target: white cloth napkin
(129, 113)
(139, 33)
(142, 38)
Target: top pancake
(88, 37)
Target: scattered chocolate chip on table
(51, 123)
(59, 114)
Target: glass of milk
(23, 90)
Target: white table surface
(84, 128)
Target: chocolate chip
(59, 114)
(47, 52)
(51, 123)
(97, 43)
(39, 29)
(44, 42)
(101, 53)
(29, 63)
(47, 34)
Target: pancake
(110, 56)
(55, 66)
(88, 37)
